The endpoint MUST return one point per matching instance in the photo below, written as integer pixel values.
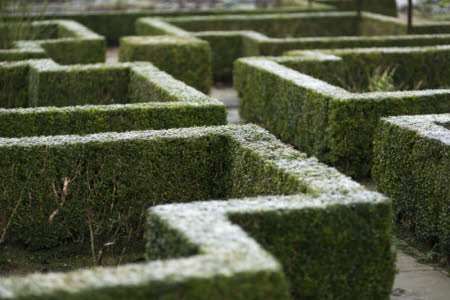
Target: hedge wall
(355, 67)
(186, 58)
(328, 223)
(235, 36)
(50, 99)
(66, 42)
(412, 166)
(326, 120)
(114, 25)
(276, 25)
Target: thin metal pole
(410, 16)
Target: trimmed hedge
(114, 25)
(50, 99)
(328, 121)
(66, 42)
(355, 67)
(186, 58)
(317, 239)
(412, 166)
(235, 36)
(274, 25)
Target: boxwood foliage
(66, 42)
(235, 36)
(316, 234)
(328, 121)
(40, 97)
(186, 58)
(116, 24)
(412, 166)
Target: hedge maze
(114, 25)
(235, 36)
(41, 97)
(412, 166)
(66, 42)
(323, 103)
(200, 253)
(123, 180)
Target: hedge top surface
(426, 126)
(252, 17)
(223, 249)
(377, 38)
(376, 50)
(162, 40)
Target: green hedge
(317, 232)
(227, 46)
(114, 25)
(275, 25)
(66, 42)
(412, 166)
(40, 97)
(186, 58)
(355, 67)
(235, 36)
(278, 47)
(328, 121)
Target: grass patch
(380, 79)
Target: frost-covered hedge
(305, 105)
(324, 236)
(235, 36)
(412, 166)
(40, 97)
(64, 41)
(186, 58)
